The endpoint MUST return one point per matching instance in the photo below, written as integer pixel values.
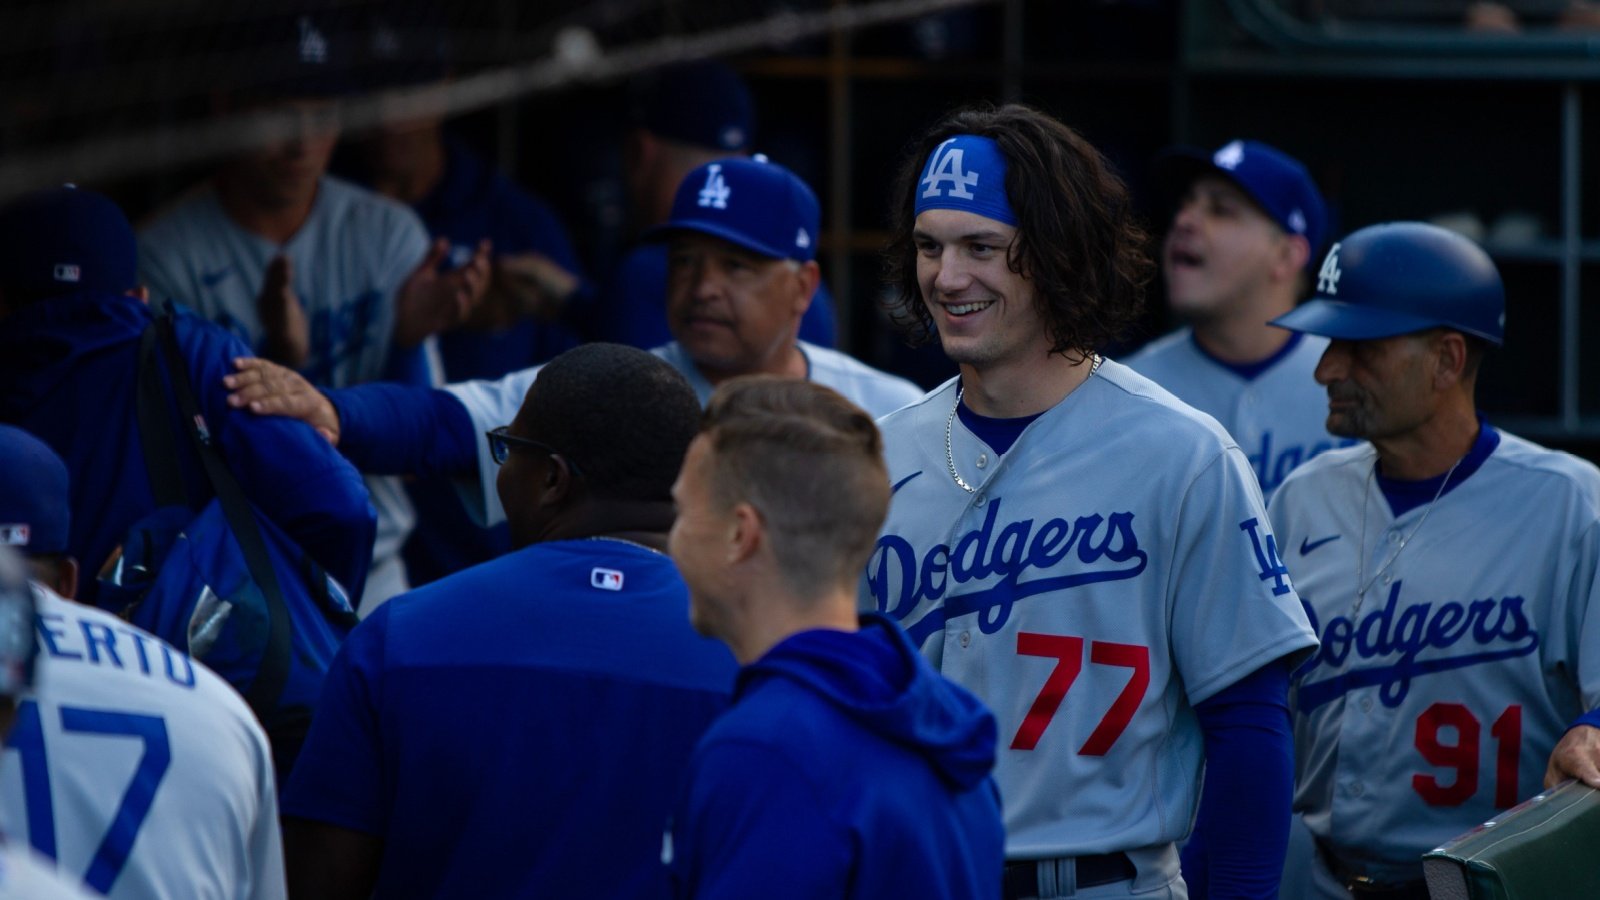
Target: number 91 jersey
(1437, 701)
(139, 771)
(1108, 572)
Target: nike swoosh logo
(1306, 546)
(212, 279)
(902, 482)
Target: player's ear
(560, 482)
(747, 534)
(1293, 252)
(1450, 358)
(809, 275)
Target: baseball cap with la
(66, 240)
(34, 516)
(1276, 181)
(756, 204)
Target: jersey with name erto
(1278, 415)
(1112, 569)
(1435, 701)
(138, 770)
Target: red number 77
(1068, 651)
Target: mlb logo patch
(68, 272)
(605, 579)
(14, 535)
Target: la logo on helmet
(1328, 276)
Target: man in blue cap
(741, 247)
(1451, 569)
(1248, 221)
(306, 268)
(73, 314)
(683, 117)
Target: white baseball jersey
(138, 770)
(25, 875)
(349, 258)
(1111, 570)
(495, 403)
(1278, 417)
(1437, 701)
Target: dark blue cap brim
(1347, 321)
(664, 232)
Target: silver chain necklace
(617, 540)
(1366, 496)
(950, 421)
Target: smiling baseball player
(1247, 221)
(1070, 542)
(1450, 568)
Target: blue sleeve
(286, 469)
(1242, 830)
(748, 809)
(396, 429)
(1590, 718)
(337, 778)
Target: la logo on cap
(802, 240)
(1328, 276)
(1229, 157)
(313, 46)
(68, 272)
(716, 192)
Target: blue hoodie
(847, 767)
(68, 374)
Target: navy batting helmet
(1399, 278)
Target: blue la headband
(968, 173)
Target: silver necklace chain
(617, 540)
(1361, 568)
(950, 422)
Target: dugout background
(1398, 109)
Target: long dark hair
(1078, 240)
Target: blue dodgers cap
(756, 204)
(65, 241)
(34, 500)
(1400, 278)
(966, 172)
(700, 103)
(1276, 181)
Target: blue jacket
(68, 374)
(847, 767)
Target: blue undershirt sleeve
(397, 429)
(1590, 718)
(1242, 830)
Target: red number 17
(1068, 651)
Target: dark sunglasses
(501, 442)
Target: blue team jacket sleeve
(752, 828)
(1242, 830)
(397, 429)
(286, 469)
(338, 776)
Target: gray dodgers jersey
(1279, 418)
(1114, 568)
(349, 259)
(139, 766)
(495, 403)
(1436, 705)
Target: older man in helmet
(1450, 569)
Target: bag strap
(155, 428)
(273, 674)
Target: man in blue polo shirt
(519, 729)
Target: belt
(1022, 876)
(1361, 885)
